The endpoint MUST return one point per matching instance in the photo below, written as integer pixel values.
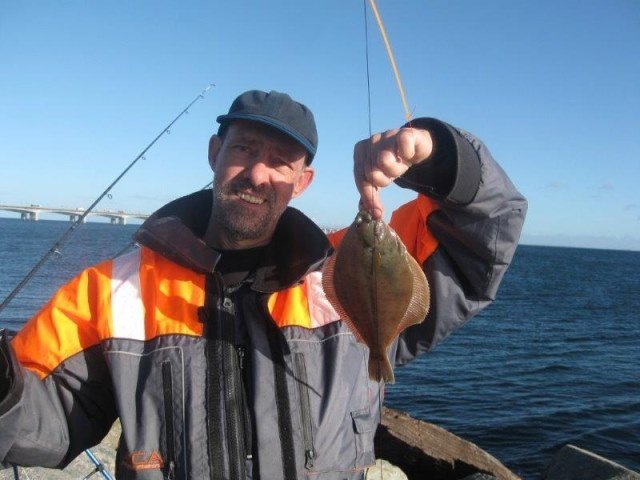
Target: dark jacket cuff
(452, 172)
(11, 381)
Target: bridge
(33, 212)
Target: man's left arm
(469, 210)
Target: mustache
(244, 184)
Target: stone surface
(82, 466)
(385, 471)
(423, 450)
(573, 463)
(415, 448)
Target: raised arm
(463, 227)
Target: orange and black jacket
(255, 380)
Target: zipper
(209, 316)
(246, 415)
(305, 410)
(233, 401)
(167, 388)
(226, 419)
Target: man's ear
(214, 148)
(303, 181)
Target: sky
(551, 87)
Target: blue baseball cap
(277, 110)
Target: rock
(385, 471)
(423, 450)
(82, 466)
(573, 463)
(418, 449)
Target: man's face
(258, 170)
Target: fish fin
(380, 369)
(418, 307)
(330, 292)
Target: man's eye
(282, 163)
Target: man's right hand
(385, 156)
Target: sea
(554, 360)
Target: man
(214, 344)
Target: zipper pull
(171, 474)
(228, 307)
(241, 355)
(310, 455)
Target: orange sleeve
(336, 237)
(76, 318)
(410, 223)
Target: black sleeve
(477, 226)
(5, 379)
(452, 173)
(10, 379)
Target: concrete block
(573, 463)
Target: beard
(238, 220)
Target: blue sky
(550, 86)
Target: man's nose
(258, 171)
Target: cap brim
(306, 144)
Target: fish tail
(380, 369)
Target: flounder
(377, 288)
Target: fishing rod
(100, 468)
(132, 243)
(80, 220)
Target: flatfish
(377, 288)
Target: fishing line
(407, 113)
(80, 219)
(396, 72)
(374, 249)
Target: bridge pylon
(33, 216)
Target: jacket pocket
(331, 382)
(148, 386)
(364, 426)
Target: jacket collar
(175, 231)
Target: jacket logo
(142, 460)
